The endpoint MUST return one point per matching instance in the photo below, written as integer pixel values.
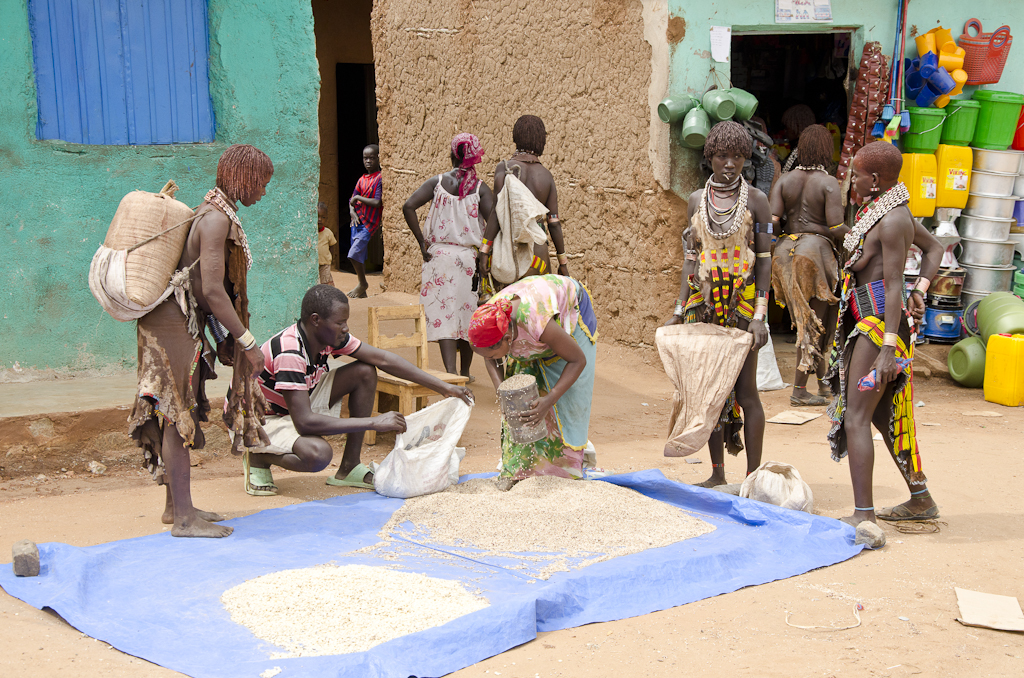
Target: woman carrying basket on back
(543, 326)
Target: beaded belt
(868, 300)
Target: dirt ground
(974, 463)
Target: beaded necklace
(869, 215)
(738, 208)
(218, 199)
(812, 168)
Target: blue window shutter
(122, 71)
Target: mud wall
(586, 69)
(58, 198)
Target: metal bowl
(985, 253)
(998, 206)
(1018, 185)
(968, 297)
(992, 183)
(981, 280)
(1008, 162)
(984, 228)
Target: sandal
(812, 400)
(259, 482)
(353, 479)
(900, 513)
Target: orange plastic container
(953, 178)
(1004, 370)
(919, 173)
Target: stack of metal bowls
(984, 226)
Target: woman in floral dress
(453, 232)
(543, 326)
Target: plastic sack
(768, 376)
(425, 458)
(780, 484)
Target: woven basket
(139, 217)
(985, 53)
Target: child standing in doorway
(365, 207)
(325, 239)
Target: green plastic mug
(696, 126)
(672, 109)
(746, 103)
(719, 104)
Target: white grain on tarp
(328, 609)
(551, 519)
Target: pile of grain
(560, 523)
(517, 381)
(328, 610)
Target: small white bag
(425, 458)
(768, 376)
(780, 484)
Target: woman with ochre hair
(543, 326)
(449, 242)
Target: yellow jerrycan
(953, 180)
(1004, 370)
(919, 174)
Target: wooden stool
(411, 396)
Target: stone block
(26, 558)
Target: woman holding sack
(726, 277)
(459, 205)
(544, 326)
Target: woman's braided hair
(529, 134)
(815, 146)
(242, 170)
(728, 137)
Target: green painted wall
(57, 199)
(690, 63)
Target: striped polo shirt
(287, 367)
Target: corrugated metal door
(122, 71)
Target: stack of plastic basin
(997, 119)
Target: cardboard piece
(793, 417)
(988, 610)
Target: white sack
(768, 376)
(425, 458)
(518, 211)
(108, 283)
(780, 484)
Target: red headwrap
(472, 154)
(490, 323)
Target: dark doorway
(357, 127)
(786, 70)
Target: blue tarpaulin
(158, 597)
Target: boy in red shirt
(365, 205)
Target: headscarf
(472, 155)
(490, 323)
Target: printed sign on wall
(803, 11)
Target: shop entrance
(348, 113)
(798, 78)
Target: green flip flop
(354, 478)
(259, 482)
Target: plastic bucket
(966, 362)
(719, 104)
(961, 119)
(672, 109)
(997, 119)
(1018, 137)
(695, 127)
(746, 103)
(1000, 313)
(925, 130)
